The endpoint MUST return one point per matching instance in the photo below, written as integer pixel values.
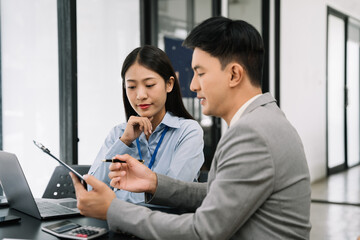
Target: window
(335, 90)
(176, 19)
(30, 90)
(353, 79)
(343, 131)
(107, 31)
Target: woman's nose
(141, 93)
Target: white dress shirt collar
(242, 109)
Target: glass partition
(176, 19)
(107, 31)
(335, 91)
(353, 79)
(249, 11)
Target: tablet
(47, 151)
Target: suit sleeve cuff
(161, 195)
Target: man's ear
(237, 74)
(170, 84)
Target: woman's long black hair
(155, 60)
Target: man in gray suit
(258, 185)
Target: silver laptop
(19, 195)
(3, 201)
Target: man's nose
(194, 85)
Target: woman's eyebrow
(143, 80)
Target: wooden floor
(335, 210)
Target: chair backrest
(203, 177)
(60, 184)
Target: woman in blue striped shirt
(158, 130)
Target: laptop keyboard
(49, 209)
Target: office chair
(60, 184)
(203, 177)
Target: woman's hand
(135, 126)
(132, 176)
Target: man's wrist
(153, 184)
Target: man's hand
(96, 202)
(134, 127)
(132, 176)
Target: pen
(119, 161)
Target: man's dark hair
(157, 61)
(230, 40)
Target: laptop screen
(15, 186)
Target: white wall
(303, 72)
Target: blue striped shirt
(180, 155)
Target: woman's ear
(170, 84)
(237, 74)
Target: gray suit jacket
(258, 187)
